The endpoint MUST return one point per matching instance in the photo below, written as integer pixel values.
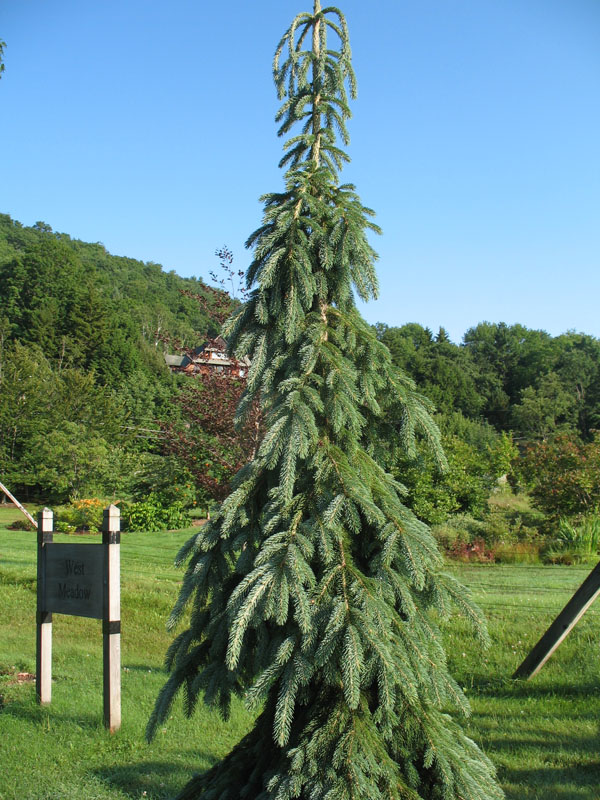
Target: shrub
(80, 515)
(499, 536)
(21, 525)
(471, 551)
(562, 475)
(88, 513)
(152, 515)
(584, 537)
(456, 531)
(575, 542)
(62, 526)
(517, 553)
(462, 488)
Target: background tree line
(88, 407)
(507, 376)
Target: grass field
(542, 735)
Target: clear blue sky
(148, 126)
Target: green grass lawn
(543, 735)
(61, 751)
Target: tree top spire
(315, 83)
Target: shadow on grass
(559, 783)
(160, 780)
(557, 747)
(36, 714)
(21, 562)
(556, 759)
(26, 582)
(155, 780)
(503, 687)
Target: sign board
(81, 580)
(74, 579)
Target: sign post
(43, 671)
(81, 580)
(111, 618)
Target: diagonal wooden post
(43, 649)
(562, 625)
(21, 508)
(111, 621)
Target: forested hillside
(88, 408)
(89, 309)
(82, 373)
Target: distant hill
(83, 380)
(87, 308)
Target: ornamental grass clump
(314, 592)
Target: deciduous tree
(563, 475)
(205, 439)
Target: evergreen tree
(312, 589)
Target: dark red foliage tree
(562, 475)
(207, 442)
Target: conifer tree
(314, 591)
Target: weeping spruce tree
(314, 591)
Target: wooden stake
(43, 650)
(111, 622)
(18, 505)
(562, 626)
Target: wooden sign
(82, 580)
(74, 579)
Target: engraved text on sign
(74, 579)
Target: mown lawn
(61, 751)
(543, 735)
